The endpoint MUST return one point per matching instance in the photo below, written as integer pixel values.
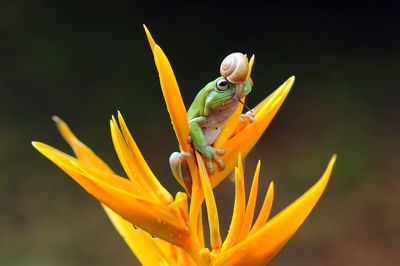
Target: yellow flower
(162, 230)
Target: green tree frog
(208, 113)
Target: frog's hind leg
(180, 169)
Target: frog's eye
(222, 84)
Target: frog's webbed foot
(250, 115)
(212, 153)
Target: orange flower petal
(212, 212)
(134, 164)
(131, 236)
(251, 62)
(265, 210)
(274, 235)
(181, 205)
(238, 211)
(229, 127)
(128, 162)
(200, 230)
(172, 95)
(121, 196)
(81, 151)
(248, 136)
(205, 255)
(140, 242)
(251, 204)
(173, 98)
(152, 43)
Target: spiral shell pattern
(235, 68)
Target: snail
(235, 68)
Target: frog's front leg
(200, 144)
(180, 169)
(249, 115)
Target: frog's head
(233, 84)
(235, 69)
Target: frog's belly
(211, 134)
(215, 121)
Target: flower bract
(165, 230)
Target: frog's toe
(186, 154)
(220, 151)
(210, 167)
(221, 165)
(250, 115)
(219, 161)
(211, 170)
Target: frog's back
(196, 109)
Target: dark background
(83, 62)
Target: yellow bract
(172, 95)
(162, 230)
(274, 234)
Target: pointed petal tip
(150, 39)
(251, 62)
(332, 162)
(290, 80)
(287, 85)
(120, 118)
(62, 126)
(329, 168)
(39, 146)
(56, 118)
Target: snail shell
(235, 68)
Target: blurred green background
(83, 62)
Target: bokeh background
(83, 62)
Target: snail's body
(210, 110)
